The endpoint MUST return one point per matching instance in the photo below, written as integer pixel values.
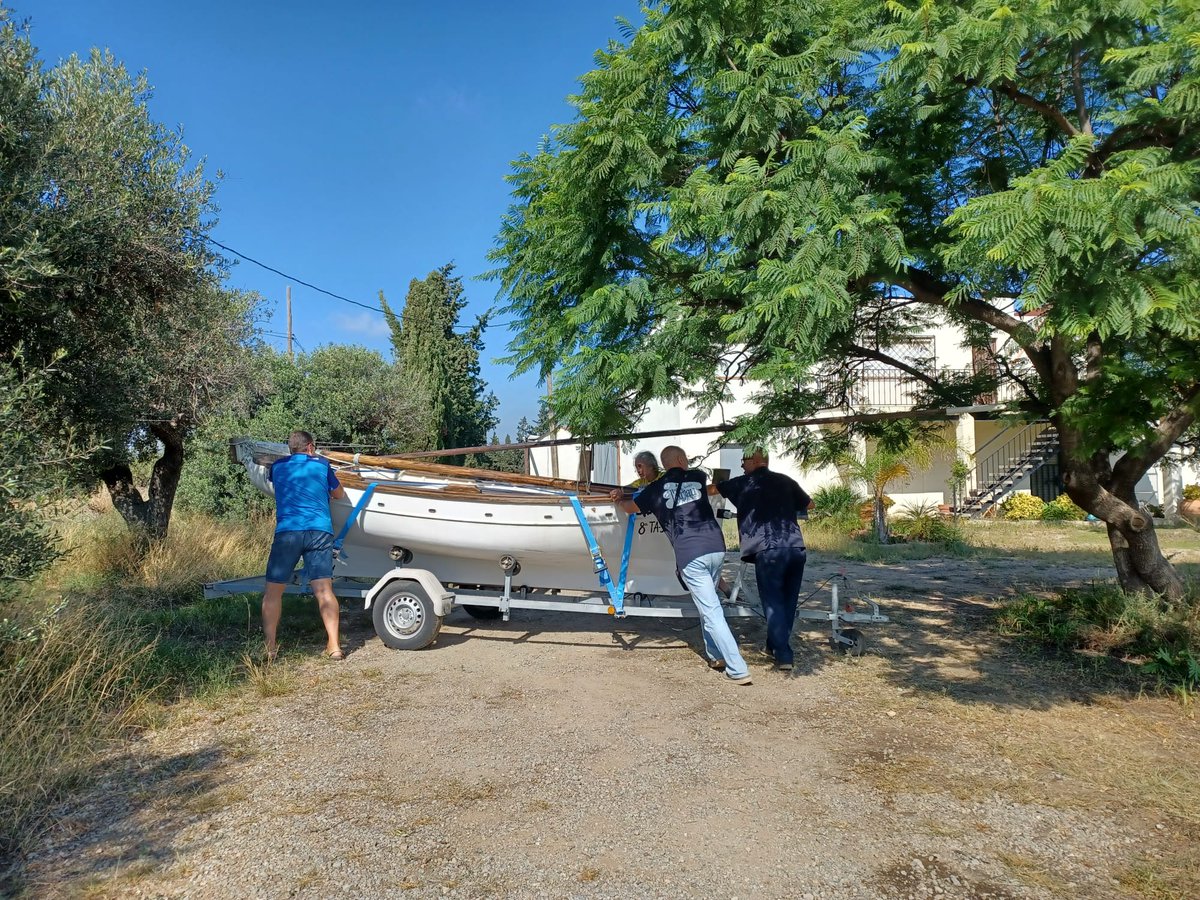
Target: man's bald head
(673, 458)
(752, 460)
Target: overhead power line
(307, 284)
(295, 340)
(319, 290)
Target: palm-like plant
(879, 468)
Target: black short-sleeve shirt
(679, 502)
(767, 506)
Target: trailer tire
(485, 613)
(857, 645)
(404, 616)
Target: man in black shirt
(679, 501)
(768, 505)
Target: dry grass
(1124, 759)
(67, 684)
(1033, 873)
(1052, 542)
(133, 634)
(205, 802)
(99, 548)
(1042, 538)
(120, 881)
(1175, 878)
(268, 679)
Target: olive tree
(105, 268)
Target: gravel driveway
(558, 756)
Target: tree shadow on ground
(944, 639)
(124, 829)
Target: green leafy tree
(33, 472)
(349, 397)
(785, 191)
(504, 460)
(105, 271)
(441, 365)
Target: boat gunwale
(465, 492)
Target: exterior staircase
(996, 474)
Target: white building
(1005, 457)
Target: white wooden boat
(461, 523)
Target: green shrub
(1063, 509)
(924, 522)
(1022, 506)
(835, 507)
(1177, 670)
(1162, 638)
(1191, 492)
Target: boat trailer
(409, 605)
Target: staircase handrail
(1002, 434)
(999, 464)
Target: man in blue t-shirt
(678, 500)
(768, 504)
(304, 483)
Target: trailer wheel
(482, 612)
(857, 645)
(404, 616)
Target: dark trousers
(779, 573)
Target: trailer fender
(443, 600)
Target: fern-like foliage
(801, 185)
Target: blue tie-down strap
(616, 592)
(626, 552)
(338, 555)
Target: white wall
(613, 463)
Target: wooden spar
(917, 414)
(462, 472)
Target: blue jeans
(778, 573)
(700, 576)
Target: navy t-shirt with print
(679, 502)
(767, 506)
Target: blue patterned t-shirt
(303, 484)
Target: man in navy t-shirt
(679, 502)
(303, 484)
(768, 505)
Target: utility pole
(291, 355)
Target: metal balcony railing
(886, 389)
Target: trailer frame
(408, 605)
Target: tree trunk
(881, 526)
(149, 516)
(1140, 564)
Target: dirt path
(557, 757)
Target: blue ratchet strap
(358, 507)
(616, 592)
(625, 553)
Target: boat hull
(461, 537)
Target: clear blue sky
(363, 143)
